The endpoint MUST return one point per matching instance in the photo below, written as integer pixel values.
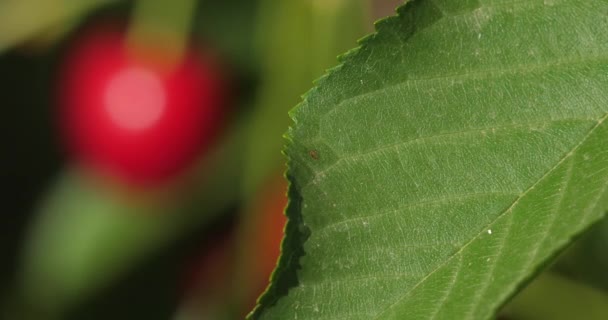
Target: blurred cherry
(132, 117)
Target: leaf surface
(444, 161)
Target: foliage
(445, 169)
(444, 161)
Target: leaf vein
(461, 198)
(521, 69)
(558, 205)
(515, 203)
(474, 305)
(400, 144)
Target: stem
(161, 27)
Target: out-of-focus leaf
(444, 161)
(85, 237)
(587, 260)
(553, 297)
(22, 19)
(296, 41)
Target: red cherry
(132, 118)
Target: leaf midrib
(407, 206)
(500, 215)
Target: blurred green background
(73, 246)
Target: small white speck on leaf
(489, 231)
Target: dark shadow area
(285, 276)
(30, 159)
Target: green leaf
(447, 158)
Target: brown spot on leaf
(314, 154)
